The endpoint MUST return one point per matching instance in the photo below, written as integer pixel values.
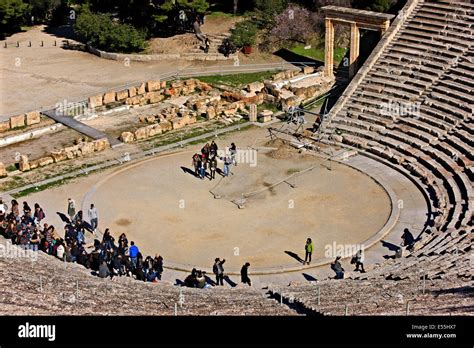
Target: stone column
(354, 49)
(253, 113)
(329, 49)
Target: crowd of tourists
(25, 227)
(205, 164)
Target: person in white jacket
(60, 251)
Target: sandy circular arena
(168, 211)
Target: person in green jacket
(309, 247)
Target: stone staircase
(197, 52)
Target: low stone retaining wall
(79, 150)
(157, 57)
(19, 121)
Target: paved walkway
(80, 127)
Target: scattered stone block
(290, 73)
(141, 89)
(191, 119)
(210, 113)
(72, 151)
(166, 126)
(163, 84)
(101, 144)
(127, 137)
(4, 126)
(269, 98)
(142, 133)
(34, 164)
(266, 116)
(58, 156)
(109, 97)
(132, 91)
(44, 161)
(133, 100)
(122, 95)
(177, 84)
(204, 86)
(86, 148)
(178, 122)
(95, 101)
(257, 99)
(154, 97)
(154, 129)
(17, 121)
(33, 117)
(231, 96)
(153, 85)
(3, 170)
(279, 76)
(24, 163)
(255, 87)
(308, 70)
(150, 119)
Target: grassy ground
(41, 187)
(267, 106)
(317, 53)
(237, 80)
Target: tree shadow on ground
(62, 31)
(292, 57)
(294, 255)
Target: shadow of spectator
(295, 256)
(229, 281)
(309, 277)
(189, 171)
(390, 246)
(209, 281)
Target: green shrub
(102, 32)
(244, 34)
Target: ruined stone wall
(82, 149)
(19, 121)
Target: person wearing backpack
(218, 270)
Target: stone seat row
(443, 26)
(447, 171)
(407, 38)
(451, 42)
